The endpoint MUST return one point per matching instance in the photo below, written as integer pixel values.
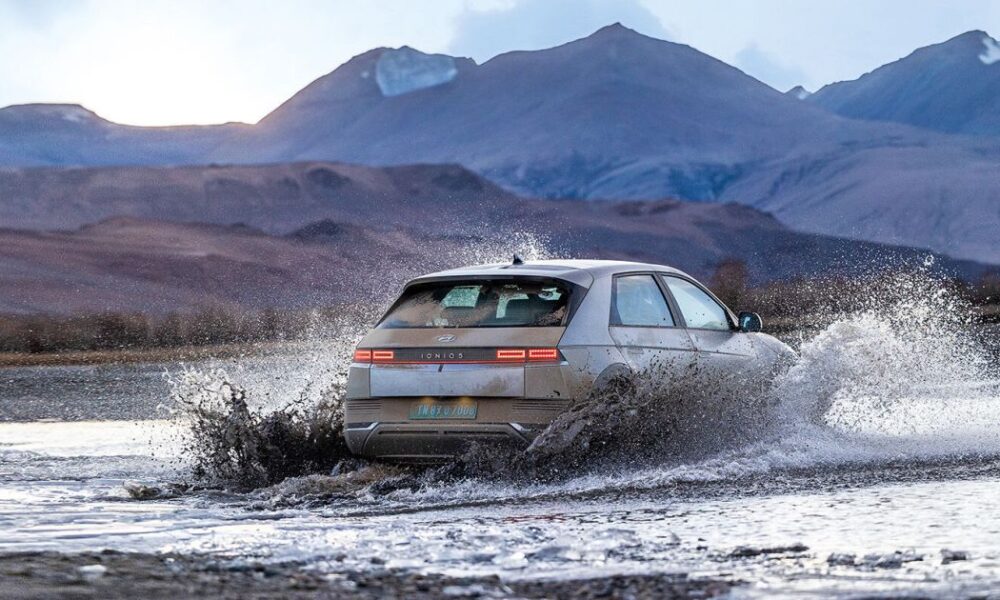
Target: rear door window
(700, 310)
(488, 303)
(637, 301)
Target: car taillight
(543, 354)
(383, 355)
(457, 355)
(512, 354)
(529, 354)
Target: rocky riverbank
(114, 575)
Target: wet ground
(129, 575)
(892, 492)
(824, 513)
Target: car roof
(578, 271)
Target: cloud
(755, 62)
(534, 24)
(38, 15)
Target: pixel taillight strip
(383, 355)
(500, 355)
(543, 354)
(512, 354)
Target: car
(494, 353)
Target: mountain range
(614, 116)
(952, 87)
(312, 247)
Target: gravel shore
(115, 575)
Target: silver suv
(494, 353)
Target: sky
(163, 62)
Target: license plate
(435, 409)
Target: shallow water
(61, 488)
(68, 496)
(879, 465)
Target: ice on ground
(406, 70)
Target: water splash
(902, 375)
(528, 245)
(664, 414)
(231, 444)
(901, 364)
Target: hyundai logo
(446, 338)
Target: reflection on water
(133, 391)
(78, 392)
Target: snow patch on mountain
(405, 70)
(74, 114)
(992, 52)
(798, 92)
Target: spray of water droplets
(897, 370)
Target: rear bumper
(381, 427)
(431, 442)
(513, 406)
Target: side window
(637, 301)
(699, 309)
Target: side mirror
(750, 322)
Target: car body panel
(724, 351)
(447, 380)
(654, 347)
(584, 364)
(725, 343)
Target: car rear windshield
(488, 303)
